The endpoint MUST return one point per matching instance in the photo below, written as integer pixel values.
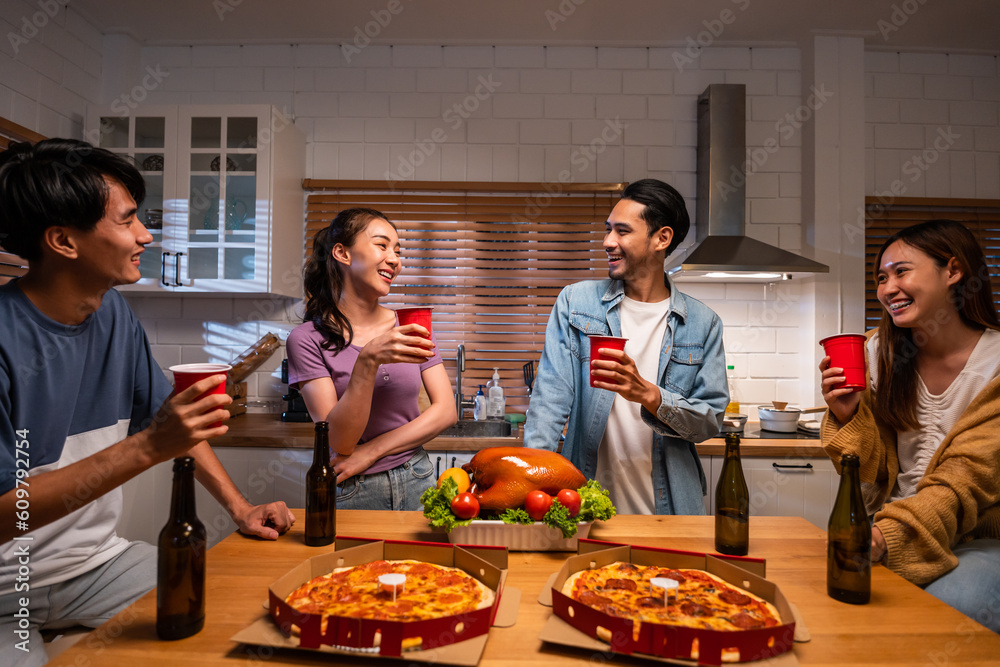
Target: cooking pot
(782, 421)
(733, 423)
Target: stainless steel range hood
(722, 249)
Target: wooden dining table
(902, 625)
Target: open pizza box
(452, 640)
(576, 625)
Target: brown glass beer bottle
(849, 539)
(732, 503)
(321, 492)
(180, 564)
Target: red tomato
(569, 499)
(465, 505)
(537, 503)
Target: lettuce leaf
(595, 504)
(437, 505)
(516, 516)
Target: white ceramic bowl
(782, 421)
(517, 537)
(733, 423)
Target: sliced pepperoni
(734, 597)
(649, 602)
(745, 621)
(620, 584)
(627, 567)
(694, 609)
(592, 599)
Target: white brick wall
(915, 102)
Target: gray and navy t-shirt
(67, 392)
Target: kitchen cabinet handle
(163, 269)
(437, 467)
(781, 468)
(177, 270)
(453, 461)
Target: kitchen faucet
(460, 402)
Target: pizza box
(517, 537)
(576, 625)
(453, 640)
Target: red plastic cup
(415, 315)
(847, 351)
(598, 342)
(186, 375)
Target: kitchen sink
(468, 428)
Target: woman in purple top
(360, 372)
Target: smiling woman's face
(373, 260)
(913, 288)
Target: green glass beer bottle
(732, 503)
(180, 563)
(321, 492)
(849, 539)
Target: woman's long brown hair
(323, 280)
(941, 240)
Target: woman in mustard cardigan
(927, 429)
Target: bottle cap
(322, 426)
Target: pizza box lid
(453, 640)
(575, 625)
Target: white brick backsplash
(923, 63)
(352, 161)
(775, 211)
(704, 292)
(557, 163)
(583, 164)
(961, 138)
(516, 105)
(431, 130)
(963, 174)
(732, 313)
(43, 60)
(790, 185)
(649, 133)
(786, 158)
(505, 163)
(635, 165)
(610, 164)
(570, 56)
(459, 108)
(622, 58)
(598, 132)
(166, 356)
(175, 332)
(417, 56)
(319, 104)
(899, 136)
(479, 166)
(987, 176)
(453, 162)
(790, 338)
(414, 105)
(673, 107)
(441, 80)
(772, 108)
(208, 308)
(426, 159)
(986, 89)
(484, 83)
(973, 113)
(685, 133)
(6, 98)
(317, 55)
(937, 180)
(279, 78)
(663, 58)
(694, 82)
(777, 313)
(544, 131)
(670, 159)
(570, 106)
(757, 83)
(948, 87)
(519, 56)
(749, 340)
(370, 56)
(151, 308)
(549, 81)
(919, 111)
(468, 56)
(647, 82)
(277, 98)
(24, 111)
(359, 105)
(239, 79)
(774, 365)
(776, 58)
(972, 65)
(376, 161)
(789, 83)
(338, 79)
(339, 129)
(762, 186)
(987, 139)
(746, 291)
(530, 163)
(885, 110)
(621, 106)
(396, 80)
(83, 84)
(899, 85)
(217, 56)
(387, 130)
(753, 393)
(325, 161)
(492, 131)
(881, 61)
(597, 81)
(724, 58)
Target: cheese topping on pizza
(702, 600)
(431, 591)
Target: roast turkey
(503, 476)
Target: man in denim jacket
(635, 430)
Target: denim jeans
(89, 599)
(973, 587)
(397, 489)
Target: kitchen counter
(267, 430)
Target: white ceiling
(939, 25)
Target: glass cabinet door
(147, 140)
(223, 196)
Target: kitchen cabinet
(448, 459)
(224, 196)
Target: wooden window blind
(11, 265)
(981, 216)
(490, 258)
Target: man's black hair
(57, 182)
(663, 207)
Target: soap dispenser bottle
(479, 411)
(496, 403)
